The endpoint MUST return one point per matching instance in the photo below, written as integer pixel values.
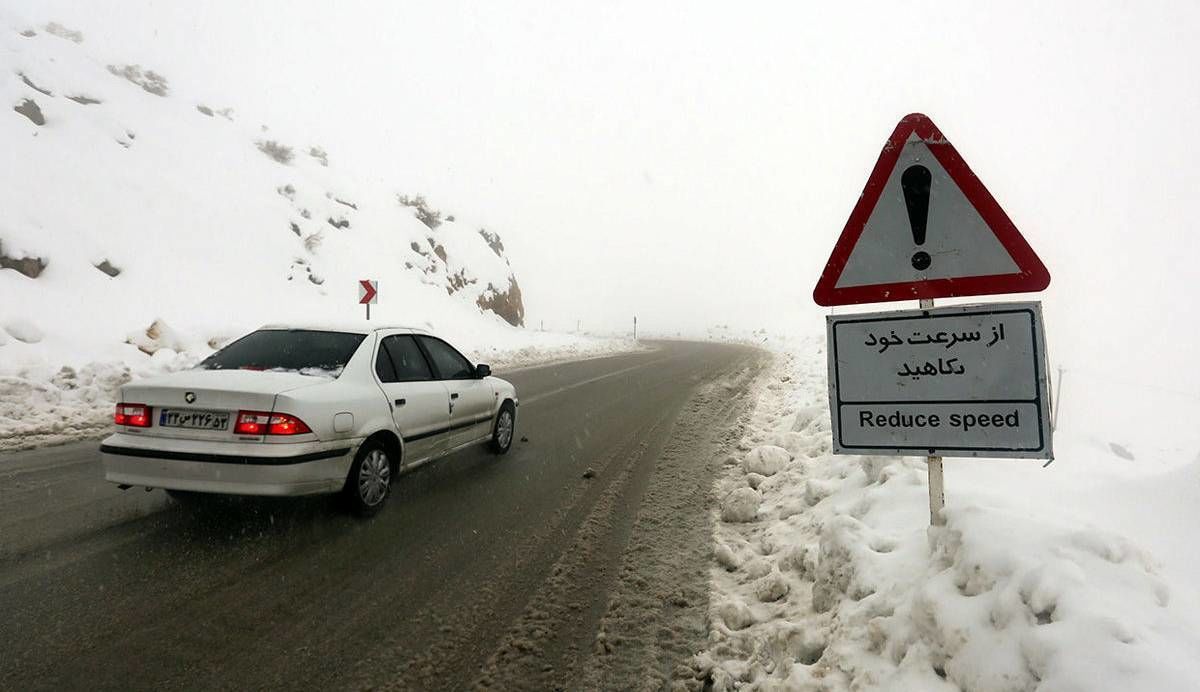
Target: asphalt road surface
(520, 572)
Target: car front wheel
(504, 429)
(370, 480)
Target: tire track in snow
(642, 546)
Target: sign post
(933, 465)
(368, 294)
(968, 380)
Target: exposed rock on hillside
(109, 269)
(56, 29)
(421, 209)
(30, 109)
(506, 304)
(280, 152)
(29, 266)
(31, 85)
(493, 241)
(149, 80)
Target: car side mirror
(482, 371)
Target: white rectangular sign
(958, 381)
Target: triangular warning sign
(926, 227)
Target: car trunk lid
(203, 404)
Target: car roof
(348, 328)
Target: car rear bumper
(227, 468)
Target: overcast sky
(693, 163)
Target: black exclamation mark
(915, 181)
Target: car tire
(369, 481)
(504, 429)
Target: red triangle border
(1031, 278)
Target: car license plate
(186, 418)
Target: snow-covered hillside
(140, 227)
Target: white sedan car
(300, 411)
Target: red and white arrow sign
(368, 292)
(926, 227)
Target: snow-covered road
(526, 572)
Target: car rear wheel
(504, 428)
(370, 480)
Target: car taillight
(134, 415)
(283, 424)
(259, 423)
(251, 423)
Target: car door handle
(401, 402)
(454, 395)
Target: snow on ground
(1077, 576)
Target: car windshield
(309, 352)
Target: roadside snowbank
(1079, 576)
(43, 403)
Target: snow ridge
(828, 577)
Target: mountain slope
(129, 208)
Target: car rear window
(405, 364)
(307, 351)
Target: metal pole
(635, 327)
(937, 495)
(368, 311)
(1057, 401)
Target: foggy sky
(694, 163)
